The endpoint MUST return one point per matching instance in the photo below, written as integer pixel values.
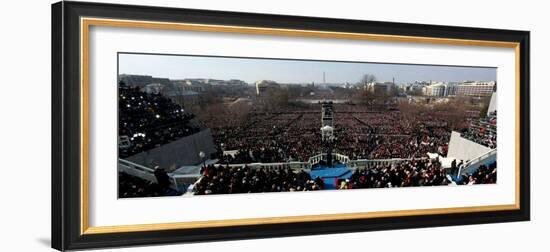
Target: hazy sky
(290, 71)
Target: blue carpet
(321, 167)
(329, 172)
(331, 175)
(330, 183)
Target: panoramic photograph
(205, 125)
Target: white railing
(137, 170)
(472, 165)
(352, 164)
(183, 179)
(369, 163)
(336, 156)
(176, 180)
(148, 174)
(342, 158)
(292, 165)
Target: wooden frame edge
(290, 32)
(85, 24)
(290, 219)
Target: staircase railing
(475, 162)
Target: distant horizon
(292, 71)
(290, 83)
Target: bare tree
(365, 79)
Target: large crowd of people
(131, 187)
(225, 179)
(220, 179)
(360, 134)
(416, 172)
(483, 131)
(148, 120)
(485, 174)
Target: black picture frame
(66, 96)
